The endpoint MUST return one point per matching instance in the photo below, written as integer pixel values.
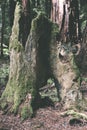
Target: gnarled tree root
(74, 114)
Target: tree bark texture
(84, 51)
(28, 65)
(18, 84)
(66, 75)
(66, 14)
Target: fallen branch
(46, 87)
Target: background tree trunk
(84, 52)
(3, 5)
(66, 15)
(12, 5)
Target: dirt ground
(46, 119)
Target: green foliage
(6, 51)
(83, 15)
(4, 71)
(75, 67)
(55, 28)
(4, 17)
(50, 81)
(16, 46)
(83, 25)
(84, 79)
(43, 6)
(50, 91)
(7, 28)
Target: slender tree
(12, 5)
(3, 6)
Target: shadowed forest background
(43, 64)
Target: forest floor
(46, 118)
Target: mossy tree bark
(65, 51)
(20, 80)
(28, 65)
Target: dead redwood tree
(40, 49)
(66, 50)
(28, 65)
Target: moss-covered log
(74, 114)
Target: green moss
(17, 102)
(79, 81)
(77, 115)
(34, 99)
(55, 28)
(40, 23)
(3, 105)
(14, 41)
(22, 81)
(31, 114)
(7, 95)
(54, 32)
(36, 21)
(16, 91)
(75, 67)
(16, 46)
(25, 112)
(84, 79)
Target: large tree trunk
(66, 50)
(66, 75)
(28, 66)
(19, 78)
